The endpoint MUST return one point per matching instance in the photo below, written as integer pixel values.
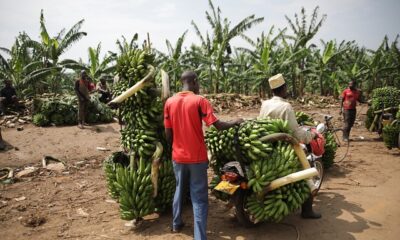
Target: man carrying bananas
(278, 107)
(183, 116)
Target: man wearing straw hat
(278, 107)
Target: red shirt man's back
(184, 113)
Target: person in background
(91, 85)
(82, 92)
(278, 107)
(183, 116)
(350, 96)
(8, 96)
(102, 88)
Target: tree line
(36, 67)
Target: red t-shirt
(350, 98)
(184, 113)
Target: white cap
(276, 81)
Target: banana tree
(217, 47)
(15, 63)
(95, 66)
(303, 34)
(49, 75)
(173, 63)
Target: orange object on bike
(318, 144)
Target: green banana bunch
(110, 166)
(330, 150)
(148, 184)
(390, 134)
(135, 190)
(241, 143)
(132, 64)
(303, 118)
(385, 97)
(166, 185)
(264, 162)
(278, 203)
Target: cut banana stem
(291, 178)
(301, 155)
(155, 167)
(304, 162)
(165, 85)
(136, 88)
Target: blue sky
(366, 21)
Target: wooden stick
(372, 127)
(385, 110)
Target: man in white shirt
(278, 107)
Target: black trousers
(349, 119)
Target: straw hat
(276, 81)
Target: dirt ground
(359, 199)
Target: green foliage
(63, 109)
(40, 119)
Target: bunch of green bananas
(110, 169)
(278, 203)
(135, 190)
(167, 185)
(148, 184)
(330, 150)
(139, 140)
(222, 146)
(241, 143)
(132, 65)
(390, 134)
(280, 162)
(264, 162)
(385, 97)
(303, 118)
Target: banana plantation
(311, 65)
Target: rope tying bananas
(148, 184)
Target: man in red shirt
(350, 96)
(183, 116)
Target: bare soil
(359, 199)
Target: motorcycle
(234, 181)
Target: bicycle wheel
(342, 146)
(240, 199)
(320, 177)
